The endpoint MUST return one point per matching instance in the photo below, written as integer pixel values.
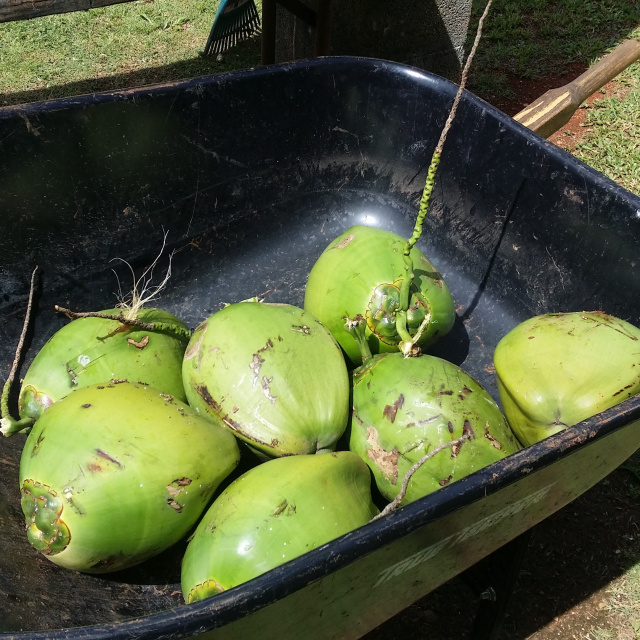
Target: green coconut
(361, 273)
(555, 370)
(272, 514)
(139, 470)
(273, 374)
(90, 350)
(407, 408)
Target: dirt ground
(579, 579)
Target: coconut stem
(8, 424)
(431, 178)
(407, 477)
(176, 330)
(357, 328)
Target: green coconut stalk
(273, 374)
(272, 514)
(408, 340)
(423, 410)
(557, 369)
(135, 477)
(385, 278)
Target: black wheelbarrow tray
(251, 174)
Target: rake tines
(235, 21)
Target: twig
(467, 435)
(437, 153)
(178, 331)
(9, 425)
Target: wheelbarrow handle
(554, 109)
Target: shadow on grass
(540, 43)
(243, 56)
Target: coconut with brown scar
(406, 407)
(277, 370)
(113, 474)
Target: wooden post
(268, 53)
(319, 20)
(323, 28)
(11, 10)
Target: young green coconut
(126, 343)
(135, 477)
(272, 514)
(273, 374)
(425, 417)
(363, 271)
(557, 369)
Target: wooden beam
(269, 11)
(11, 10)
(320, 20)
(323, 28)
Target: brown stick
(463, 81)
(118, 317)
(554, 109)
(8, 425)
(25, 327)
(407, 477)
(179, 332)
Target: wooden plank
(11, 10)
(554, 109)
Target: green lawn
(613, 145)
(533, 39)
(123, 45)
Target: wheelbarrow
(250, 175)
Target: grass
(613, 145)
(148, 41)
(623, 606)
(534, 39)
(123, 45)
(625, 597)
